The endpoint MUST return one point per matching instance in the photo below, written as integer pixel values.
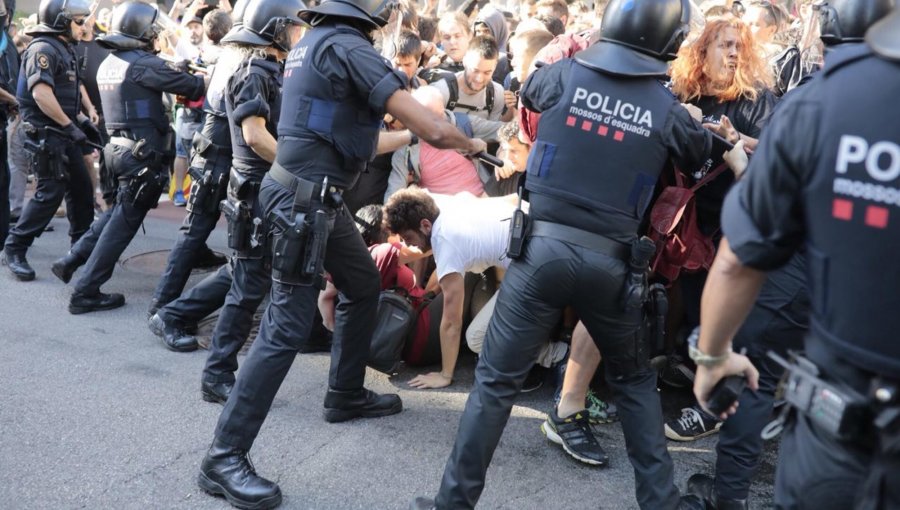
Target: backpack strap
(709, 177)
(453, 88)
(453, 101)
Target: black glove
(74, 134)
(90, 131)
(184, 66)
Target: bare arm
(258, 137)
(46, 101)
(428, 126)
(728, 296)
(453, 287)
(88, 106)
(8, 98)
(389, 141)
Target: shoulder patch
(42, 61)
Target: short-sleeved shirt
(253, 94)
(477, 100)
(447, 172)
(49, 61)
(470, 234)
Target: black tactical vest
(310, 113)
(127, 104)
(65, 79)
(244, 159)
(600, 146)
(852, 210)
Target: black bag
(396, 318)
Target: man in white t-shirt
(466, 235)
(475, 92)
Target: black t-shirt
(748, 117)
(93, 55)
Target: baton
(488, 159)
(193, 67)
(63, 133)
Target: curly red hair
(753, 73)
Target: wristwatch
(701, 358)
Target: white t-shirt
(470, 234)
(478, 100)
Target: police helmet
(134, 25)
(237, 17)
(638, 37)
(54, 16)
(884, 36)
(265, 22)
(846, 21)
(375, 12)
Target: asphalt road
(96, 413)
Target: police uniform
(253, 91)
(210, 164)
(584, 218)
(825, 177)
(50, 60)
(335, 90)
(9, 70)
(131, 85)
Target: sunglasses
(80, 22)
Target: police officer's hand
(74, 134)
(90, 130)
(183, 66)
(432, 380)
(706, 379)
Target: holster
(244, 230)
(47, 161)
(208, 189)
(145, 187)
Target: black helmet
(884, 36)
(375, 12)
(133, 26)
(54, 16)
(638, 37)
(264, 23)
(237, 17)
(846, 21)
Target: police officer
(132, 80)
(608, 105)
(779, 319)
(824, 178)
(9, 70)
(210, 164)
(253, 103)
(49, 96)
(336, 90)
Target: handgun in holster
(145, 187)
(839, 410)
(46, 162)
(238, 215)
(519, 224)
(289, 240)
(634, 291)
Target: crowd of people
(292, 121)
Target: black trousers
(288, 320)
(201, 300)
(550, 275)
(777, 322)
(77, 191)
(4, 182)
(110, 235)
(196, 229)
(819, 472)
(252, 279)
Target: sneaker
(178, 200)
(535, 379)
(600, 412)
(694, 423)
(574, 434)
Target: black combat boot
(215, 392)
(19, 266)
(65, 267)
(704, 488)
(362, 403)
(422, 503)
(81, 303)
(227, 471)
(175, 337)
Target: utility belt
(300, 238)
(246, 231)
(838, 409)
(142, 151)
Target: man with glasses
(49, 95)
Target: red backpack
(680, 245)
